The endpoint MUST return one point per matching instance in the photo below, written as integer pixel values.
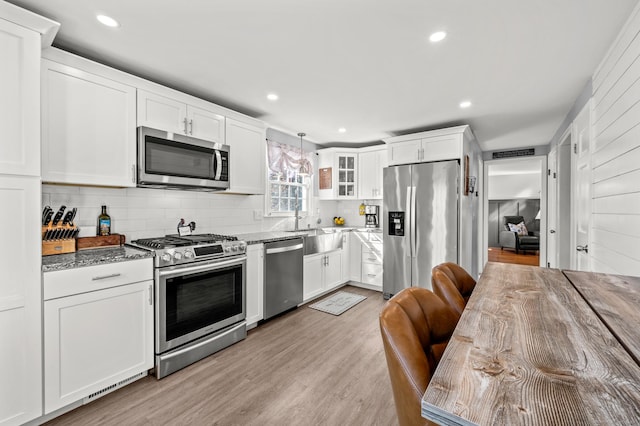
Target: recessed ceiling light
(342, 130)
(272, 97)
(437, 36)
(108, 21)
(465, 104)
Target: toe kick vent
(111, 388)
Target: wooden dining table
(538, 346)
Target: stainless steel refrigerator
(420, 222)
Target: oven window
(171, 158)
(200, 300)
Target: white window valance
(287, 159)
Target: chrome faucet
(296, 213)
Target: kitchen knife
(58, 215)
(67, 217)
(47, 218)
(45, 211)
(74, 211)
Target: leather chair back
(446, 290)
(460, 278)
(412, 323)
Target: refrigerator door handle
(413, 221)
(408, 229)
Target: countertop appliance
(421, 223)
(371, 216)
(282, 276)
(200, 296)
(174, 161)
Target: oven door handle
(209, 266)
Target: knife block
(58, 245)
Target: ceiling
(365, 65)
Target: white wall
(146, 212)
(508, 187)
(615, 220)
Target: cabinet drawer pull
(371, 275)
(371, 258)
(104, 277)
(185, 125)
(151, 294)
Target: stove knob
(235, 248)
(177, 256)
(188, 255)
(227, 249)
(166, 257)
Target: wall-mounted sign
(514, 153)
(325, 178)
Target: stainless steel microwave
(174, 161)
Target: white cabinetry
(88, 128)
(22, 34)
(98, 329)
(20, 100)
(20, 301)
(255, 283)
(248, 156)
(322, 273)
(342, 167)
(435, 145)
(355, 251)
(370, 165)
(346, 266)
(164, 113)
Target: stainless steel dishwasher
(282, 276)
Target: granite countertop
(267, 236)
(97, 256)
(270, 236)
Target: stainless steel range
(200, 297)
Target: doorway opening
(515, 211)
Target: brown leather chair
(413, 323)
(460, 278)
(446, 290)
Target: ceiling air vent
(514, 153)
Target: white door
(162, 113)
(20, 100)
(582, 188)
(552, 209)
(205, 124)
(247, 157)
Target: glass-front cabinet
(337, 174)
(347, 175)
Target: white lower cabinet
(322, 273)
(346, 266)
(355, 262)
(96, 339)
(255, 283)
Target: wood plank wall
(615, 228)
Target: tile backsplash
(144, 212)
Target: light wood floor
(304, 368)
(510, 256)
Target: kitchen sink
(320, 240)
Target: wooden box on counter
(58, 239)
(113, 240)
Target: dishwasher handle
(284, 249)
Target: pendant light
(303, 170)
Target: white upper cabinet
(370, 181)
(338, 174)
(247, 157)
(88, 128)
(435, 145)
(20, 100)
(164, 113)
